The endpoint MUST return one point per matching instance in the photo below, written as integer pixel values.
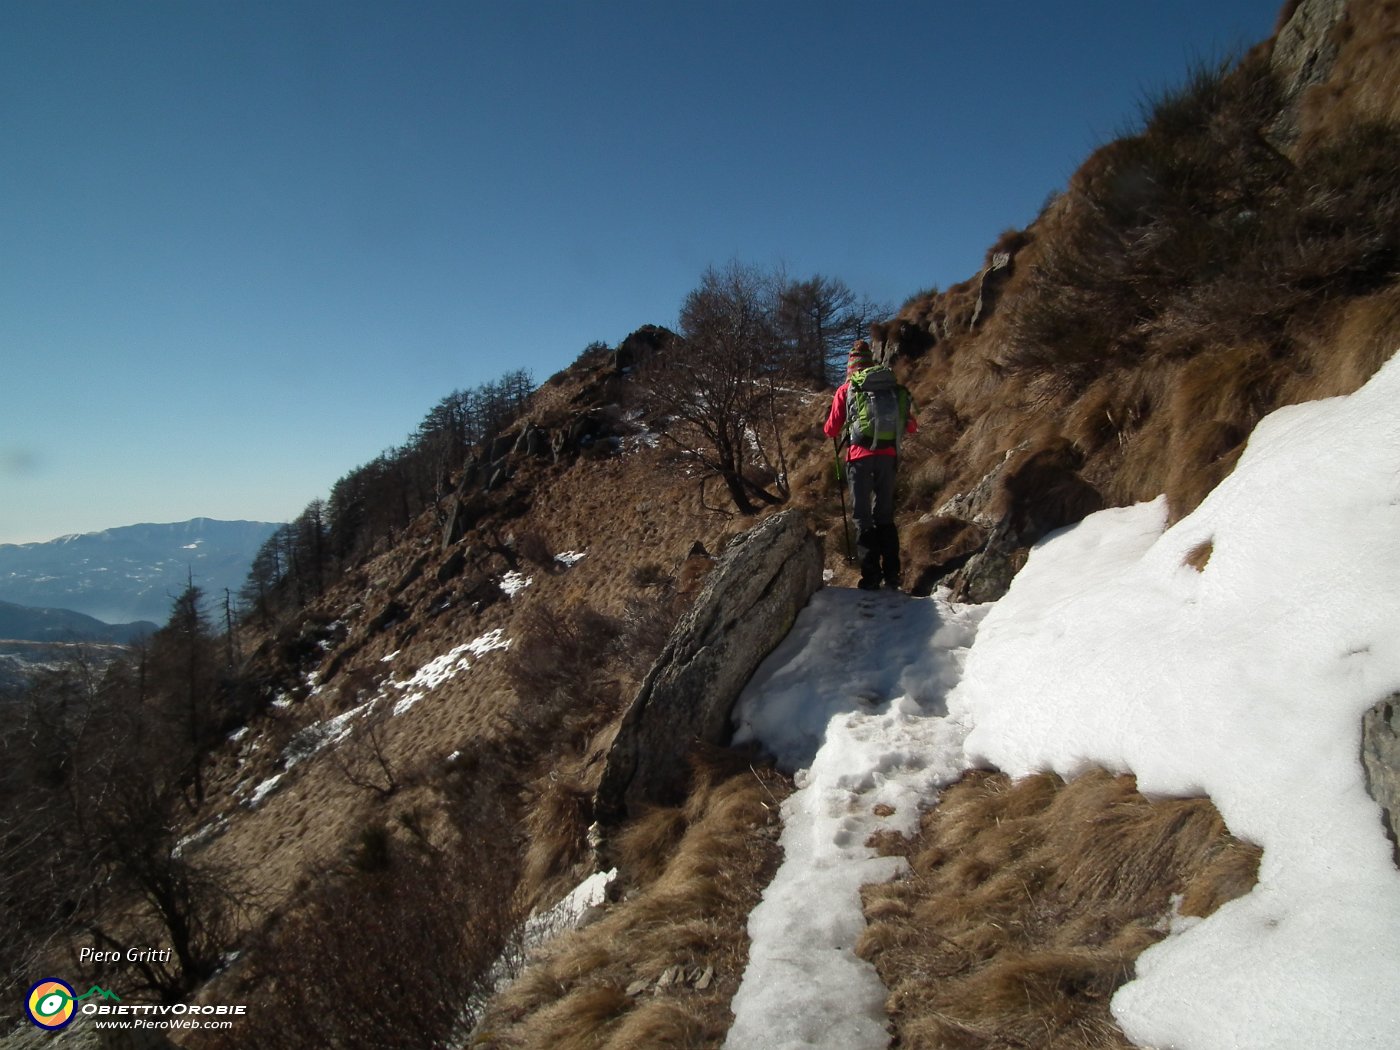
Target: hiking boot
(892, 585)
(868, 585)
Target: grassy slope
(1187, 282)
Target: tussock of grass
(691, 910)
(658, 1023)
(645, 845)
(556, 826)
(579, 1020)
(1198, 557)
(1028, 901)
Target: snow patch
(567, 913)
(446, 667)
(515, 582)
(261, 792)
(1245, 681)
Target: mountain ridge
(430, 724)
(25, 623)
(130, 573)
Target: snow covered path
(1230, 655)
(854, 702)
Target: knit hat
(860, 358)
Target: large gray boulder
(747, 605)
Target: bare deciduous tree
(720, 386)
(818, 319)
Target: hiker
(870, 414)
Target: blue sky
(245, 246)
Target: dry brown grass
(556, 828)
(1189, 281)
(658, 1023)
(310, 823)
(1028, 901)
(1198, 557)
(1343, 356)
(1149, 322)
(645, 845)
(429, 925)
(602, 986)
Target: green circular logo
(50, 1004)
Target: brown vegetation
(1192, 277)
(397, 953)
(1028, 901)
(658, 969)
(1365, 82)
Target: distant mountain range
(24, 623)
(131, 573)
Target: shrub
(533, 548)
(400, 956)
(1147, 217)
(649, 574)
(559, 667)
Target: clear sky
(246, 245)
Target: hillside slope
(1191, 278)
(419, 772)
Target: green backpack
(877, 409)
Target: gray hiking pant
(872, 510)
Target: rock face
(748, 604)
(1032, 492)
(1304, 53)
(1380, 756)
(989, 284)
(642, 345)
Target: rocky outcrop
(1380, 757)
(1032, 492)
(460, 517)
(898, 338)
(989, 285)
(1304, 53)
(747, 605)
(534, 440)
(641, 346)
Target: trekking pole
(841, 485)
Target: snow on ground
(315, 737)
(446, 667)
(514, 582)
(1245, 682)
(852, 700)
(568, 913)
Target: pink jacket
(835, 427)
